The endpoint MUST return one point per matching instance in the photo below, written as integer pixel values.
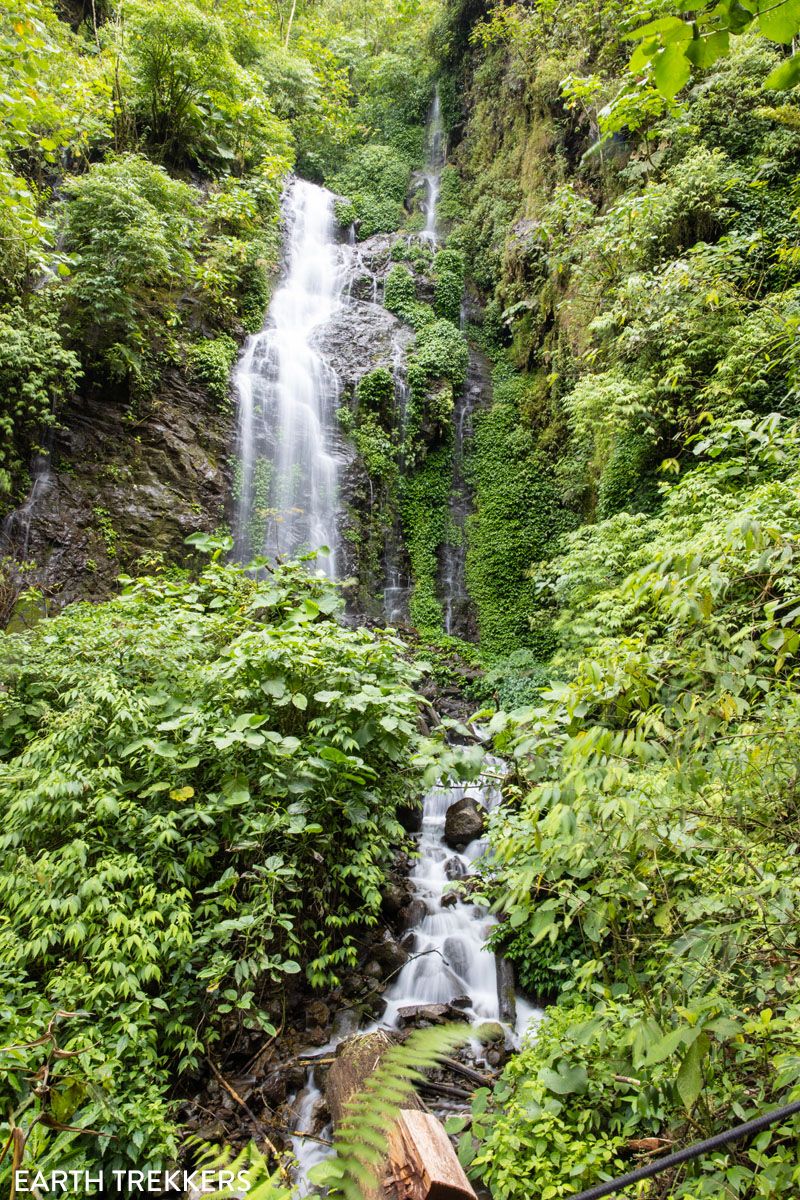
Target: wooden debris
(423, 1162)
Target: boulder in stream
(390, 954)
(395, 897)
(413, 914)
(427, 1014)
(464, 822)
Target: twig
(220, 1078)
(445, 1089)
(473, 1076)
(299, 1133)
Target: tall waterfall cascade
(286, 491)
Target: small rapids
(449, 960)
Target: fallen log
(421, 1163)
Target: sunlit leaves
(672, 45)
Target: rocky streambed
(427, 963)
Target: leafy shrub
(375, 393)
(127, 226)
(552, 1121)
(425, 497)
(37, 373)
(197, 791)
(658, 820)
(375, 180)
(448, 274)
(517, 521)
(195, 103)
(440, 352)
(210, 362)
(400, 290)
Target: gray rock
(390, 954)
(410, 817)
(317, 1013)
(395, 897)
(464, 822)
(454, 868)
(360, 337)
(506, 992)
(427, 1014)
(413, 914)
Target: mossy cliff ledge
(122, 492)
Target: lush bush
(517, 521)
(211, 362)
(128, 228)
(195, 103)
(197, 791)
(654, 832)
(425, 498)
(448, 275)
(375, 180)
(37, 374)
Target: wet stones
(410, 817)
(455, 868)
(506, 992)
(389, 954)
(395, 897)
(413, 914)
(464, 822)
(317, 1013)
(415, 1016)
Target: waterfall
(15, 530)
(435, 153)
(286, 491)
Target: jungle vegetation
(621, 203)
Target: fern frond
(361, 1138)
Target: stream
(449, 962)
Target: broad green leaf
(690, 1076)
(671, 69)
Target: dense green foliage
(199, 778)
(632, 561)
(197, 790)
(142, 157)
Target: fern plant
(360, 1142)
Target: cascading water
(449, 961)
(433, 169)
(287, 495)
(15, 531)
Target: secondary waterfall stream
(286, 491)
(449, 960)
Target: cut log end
(422, 1161)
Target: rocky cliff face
(121, 493)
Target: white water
(15, 532)
(449, 960)
(433, 170)
(287, 395)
